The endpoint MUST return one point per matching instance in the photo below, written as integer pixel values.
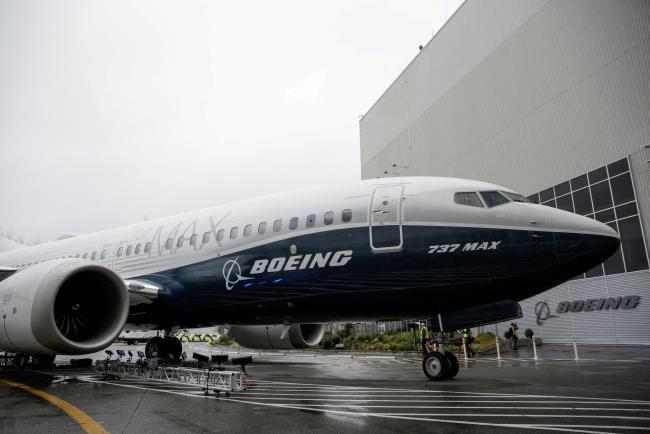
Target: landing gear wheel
(154, 345)
(436, 366)
(453, 365)
(173, 347)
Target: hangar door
(386, 219)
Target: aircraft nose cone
(586, 245)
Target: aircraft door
(386, 219)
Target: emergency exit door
(386, 219)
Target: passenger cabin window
(277, 225)
(129, 250)
(206, 238)
(119, 252)
(248, 229)
(233, 232)
(261, 229)
(493, 198)
(85, 256)
(220, 234)
(103, 256)
(180, 242)
(137, 248)
(193, 240)
(311, 220)
(468, 198)
(93, 256)
(293, 223)
(169, 243)
(147, 247)
(346, 216)
(328, 218)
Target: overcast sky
(113, 110)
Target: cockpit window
(493, 198)
(515, 197)
(469, 198)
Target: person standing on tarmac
(513, 331)
(467, 335)
(424, 335)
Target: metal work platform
(210, 379)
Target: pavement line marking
(87, 423)
(617, 400)
(466, 407)
(528, 416)
(352, 413)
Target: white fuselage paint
(154, 245)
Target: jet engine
(63, 306)
(279, 336)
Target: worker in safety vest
(467, 336)
(513, 331)
(424, 335)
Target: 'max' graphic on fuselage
(468, 247)
(301, 262)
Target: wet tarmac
(607, 390)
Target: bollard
(498, 350)
(575, 348)
(464, 348)
(534, 349)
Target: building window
(346, 216)
(261, 229)
(328, 218)
(248, 229)
(233, 232)
(293, 223)
(311, 220)
(277, 225)
(469, 198)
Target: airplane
(275, 269)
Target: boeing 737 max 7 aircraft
(460, 252)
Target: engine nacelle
(279, 336)
(63, 306)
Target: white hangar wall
(552, 99)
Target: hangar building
(552, 99)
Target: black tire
(154, 345)
(173, 347)
(435, 366)
(453, 365)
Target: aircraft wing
(141, 292)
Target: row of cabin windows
(310, 221)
